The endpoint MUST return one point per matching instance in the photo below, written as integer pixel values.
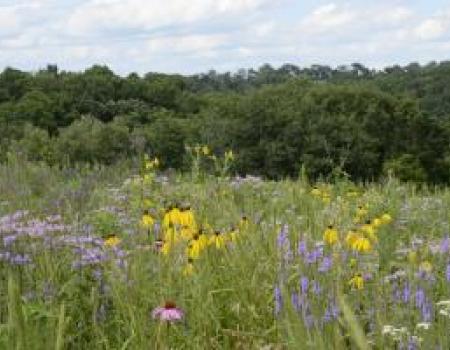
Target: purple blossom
(309, 320)
(316, 288)
(447, 273)
(9, 240)
(420, 297)
(313, 256)
(278, 300)
(15, 259)
(326, 264)
(427, 312)
(302, 248)
(304, 283)
(282, 238)
(406, 293)
(89, 256)
(296, 302)
(445, 245)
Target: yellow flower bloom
(356, 282)
(171, 235)
(243, 224)
(362, 244)
(316, 192)
(229, 156)
(330, 235)
(233, 235)
(165, 249)
(202, 239)
(193, 249)
(186, 217)
(187, 232)
(362, 211)
(112, 241)
(377, 222)
(352, 194)
(205, 150)
(188, 269)
(351, 237)
(353, 262)
(218, 240)
(426, 266)
(147, 221)
(386, 218)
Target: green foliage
(406, 168)
(277, 120)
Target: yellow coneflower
(426, 266)
(370, 231)
(147, 220)
(356, 282)
(351, 237)
(326, 197)
(186, 217)
(362, 244)
(166, 247)
(376, 222)
(112, 241)
(189, 268)
(352, 194)
(243, 223)
(171, 235)
(194, 248)
(233, 234)
(187, 232)
(229, 156)
(174, 216)
(316, 192)
(386, 218)
(205, 150)
(361, 211)
(330, 236)
(202, 239)
(217, 240)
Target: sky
(193, 36)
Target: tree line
(359, 121)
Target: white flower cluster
(397, 334)
(444, 308)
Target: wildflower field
(127, 257)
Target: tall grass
(229, 301)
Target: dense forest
(362, 122)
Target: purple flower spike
(282, 238)
(302, 248)
(445, 245)
(326, 265)
(278, 300)
(420, 298)
(304, 283)
(447, 273)
(296, 302)
(406, 293)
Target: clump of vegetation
(122, 257)
(362, 121)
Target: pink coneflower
(169, 312)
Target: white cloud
(326, 18)
(9, 21)
(98, 15)
(189, 44)
(435, 27)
